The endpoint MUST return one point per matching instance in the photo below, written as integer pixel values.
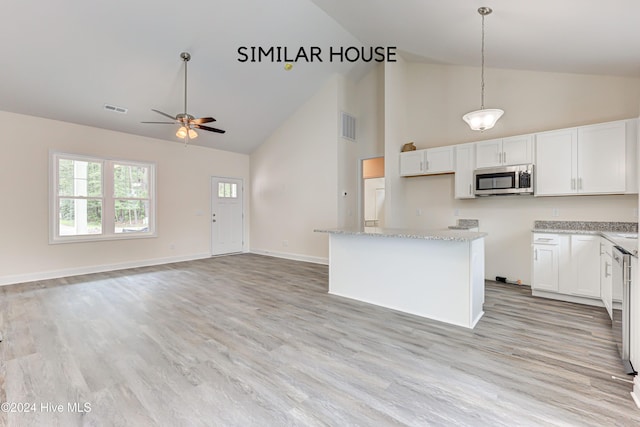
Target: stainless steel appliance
(621, 275)
(504, 180)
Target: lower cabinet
(546, 258)
(568, 265)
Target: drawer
(545, 239)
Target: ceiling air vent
(348, 128)
(115, 109)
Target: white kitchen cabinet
(426, 162)
(566, 267)
(556, 162)
(465, 165)
(583, 160)
(412, 162)
(515, 150)
(585, 261)
(439, 160)
(545, 262)
(606, 283)
(601, 158)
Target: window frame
(108, 199)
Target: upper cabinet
(583, 160)
(465, 164)
(514, 150)
(426, 162)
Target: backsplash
(628, 227)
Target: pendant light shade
(484, 118)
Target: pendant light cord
(481, 72)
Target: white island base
(437, 275)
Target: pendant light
(484, 118)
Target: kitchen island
(434, 274)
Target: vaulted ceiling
(65, 59)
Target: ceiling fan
(187, 122)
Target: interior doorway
(373, 192)
(227, 216)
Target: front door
(227, 222)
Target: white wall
(438, 96)
(183, 191)
(294, 176)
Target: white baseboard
(294, 257)
(568, 298)
(54, 274)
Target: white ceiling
(65, 59)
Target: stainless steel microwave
(504, 180)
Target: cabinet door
(634, 324)
(412, 162)
(489, 153)
(585, 259)
(601, 158)
(545, 268)
(517, 150)
(465, 164)
(439, 160)
(606, 284)
(556, 163)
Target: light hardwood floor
(248, 340)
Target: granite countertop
(465, 224)
(447, 235)
(623, 234)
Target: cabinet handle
(579, 183)
(421, 166)
(535, 254)
(470, 189)
(573, 183)
(504, 157)
(427, 164)
(606, 269)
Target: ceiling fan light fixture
(182, 132)
(193, 134)
(484, 118)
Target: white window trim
(107, 200)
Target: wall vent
(348, 128)
(115, 109)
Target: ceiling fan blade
(210, 129)
(164, 114)
(161, 123)
(203, 120)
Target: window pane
(80, 217)
(227, 189)
(130, 181)
(234, 190)
(221, 189)
(79, 178)
(131, 216)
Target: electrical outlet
(418, 212)
(285, 243)
(172, 246)
(456, 212)
(635, 212)
(555, 212)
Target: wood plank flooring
(249, 340)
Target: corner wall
(294, 176)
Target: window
(227, 190)
(98, 199)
